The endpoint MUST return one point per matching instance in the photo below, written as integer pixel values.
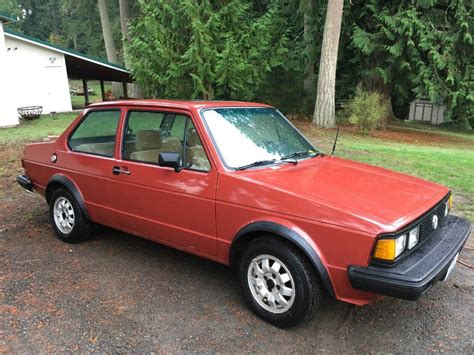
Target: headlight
(413, 237)
(390, 249)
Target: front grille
(426, 223)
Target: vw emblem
(434, 222)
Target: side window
(147, 134)
(195, 155)
(143, 120)
(178, 126)
(96, 133)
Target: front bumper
(420, 270)
(25, 182)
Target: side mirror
(170, 160)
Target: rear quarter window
(96, 133)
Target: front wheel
(279, 284)
(69, 223)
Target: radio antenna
(335, 141)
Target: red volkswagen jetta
(237, 183)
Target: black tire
(81, 229)
(307, 287)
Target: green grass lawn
(37, 129)
(47, 125)
(449, 166)
(449, 160)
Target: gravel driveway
(118, 293)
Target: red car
(237, 183)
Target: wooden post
(102, 90)
(125, 91)
(86, 92)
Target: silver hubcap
(64, 215)
(271, 284)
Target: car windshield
(255, 136)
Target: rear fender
(67, 183)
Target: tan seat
(147, 140)
(196, 157)
(149, 143)
(171, 144)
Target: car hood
(379, 196)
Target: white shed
(35, 73)
(426, 111)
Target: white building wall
(8, 112)
(37, 77)
(40, 76)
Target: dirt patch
(395, 134)
(422, 137)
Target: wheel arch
(255, 229)
(61, 181)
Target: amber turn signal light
(390, 249)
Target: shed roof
(7, 17)
(79, 65)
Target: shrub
(367, 110)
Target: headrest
(147, 140)
(193, 138)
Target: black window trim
(176, 113)
(86, 114)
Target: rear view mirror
(170, 160)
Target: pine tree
(407, 49)
(204, 49)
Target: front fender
(294, 235)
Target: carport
(85, 68)
(82, 66)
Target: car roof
(182, 104)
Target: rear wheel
(69, 223)
(279, 284)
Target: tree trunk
(107, 32)
(209, 95)
(124, 17)
(109, 43)
(134, 90)
(376, 84)
(325, 111)
(310, 44)
(74, 41)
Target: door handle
(116, 171)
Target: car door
(90, 159)
(176, 208)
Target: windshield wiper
(256, 163)
(295, 154)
